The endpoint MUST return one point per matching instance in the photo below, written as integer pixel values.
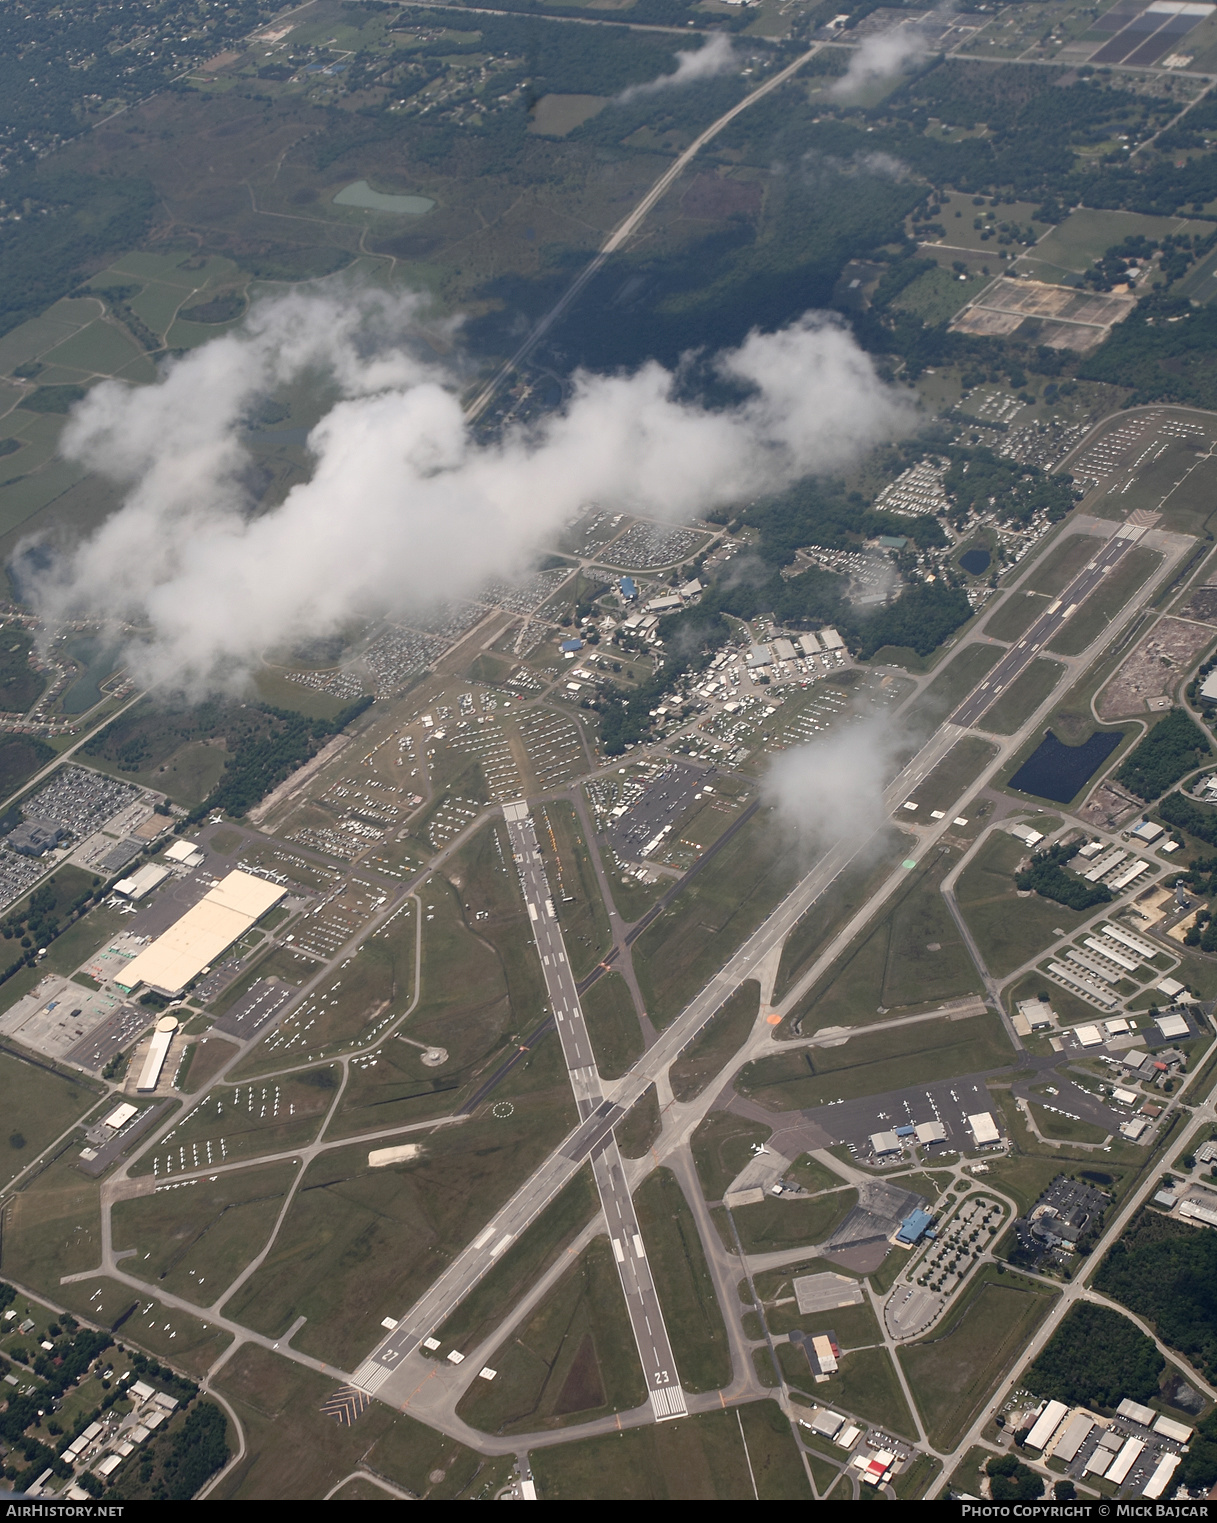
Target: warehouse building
(1046, 1424)
(884, 1143)
(983, 1129)
(203, 933)
(150, 876)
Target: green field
(1013, 617)
(1105, 603)
(522, 1265)
(360, 1242)
(1065, 1128)
(641, 1126)
(872, 1064)
(962, 764)
(848, 892)
(718, 909)
(714, 1456)
(865, 1384)
(721, 1146)
(245, 1120)
(1082, 237)
(296, 1451)
(1024, 695)
(792, 1222)
(953, 1371)
(37, 1103)
(573, 885)
(612, 1024)
(573, 1359)
(204, 1233)
(956, 680)
(1009, 930)
(682, 1280)
(166, 1332)
(914, 956)
(52, 1227)
(707, 1054)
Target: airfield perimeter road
(390, 1358)
(593, 1138)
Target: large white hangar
(194, 942)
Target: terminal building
(177, 957)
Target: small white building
(983, 1128)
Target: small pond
(976, 561)
(1056, 771)
(362, 195)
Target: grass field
(952, 1372)
(1065, 1128)
(139, 1319)
(612, 1024)
(1082, 237)
(843, 898)
(714, 1456)
(721, 1146)
(715, 1044)
(481, 989)
(373, 985)
(962, 764)
(718, 909)
(1093, 617)
(913, 956)
(1022, 697)
(295, 1451)
(682, 1280)
(573, 1359)
(196, 1239)
(1009, 930)
(37, 1103)
(865, 1384)
(245, 1120)
(1012, 618)
(359, 1242)
(790, 1223)
(641, 1125)
(956, 680)
(575, 891)
(52, 1226)
(522, 1265)
(874, 1063)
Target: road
(1020, 655)
(592, 1139)
(625, 230)
(748, 962)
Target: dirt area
(1202, 606)
(1109, 807)
(1152, 671)
(1071, 319)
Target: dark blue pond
(975, 561)
(1056, 771)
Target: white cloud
(405, 506)
(692, 64)
(832, 789)
(881, 56)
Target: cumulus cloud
(831, 790)
(404, 505)
(692, 64)
(881, 56)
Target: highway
(593, 1139)
(1020, 655)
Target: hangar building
(194, 942)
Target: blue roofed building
(627, 588)
(569, 647)
(913, 1227)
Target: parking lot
(59, 1015)
(662, 805)
(950, 1101)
